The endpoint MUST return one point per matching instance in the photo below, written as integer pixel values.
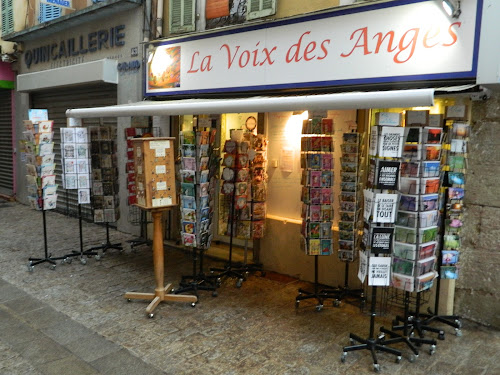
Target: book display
(197, 179)
(243, 194)
(42, 188)
(317, 181)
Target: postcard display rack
(317, 165)
(199, 164)
(105, 202)
(156, 192)
(40, 166)
(379, 213)
(455, 146)
(352, 162)
(243, 196)
(77, 170)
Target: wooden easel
(161, 292)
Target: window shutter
(49, 12)
(7, 17)
(182, 16)
(260, 8)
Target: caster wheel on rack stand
(193, 304)
(319, 307)
(376, 367)
(83, 261)
(31, 267)
(343, 356)
(151, 315)
(214, 293)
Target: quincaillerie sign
(72, 47)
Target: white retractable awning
(350, 100)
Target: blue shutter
(49, 12)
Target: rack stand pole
(197, 280)
(229, 271)
(320, 296)
(371, 343)
(107, 245)
(89, 253)
(143, 237)
(47, 257)
(407, 335)
(161, 292)
(345, 291)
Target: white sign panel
(379, 271)
(389, 42)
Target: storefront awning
(350, 100)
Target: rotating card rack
(380, 202)
(317, 199)
(40, 177)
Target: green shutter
(182, 16)
(260, 8)
(7, 17)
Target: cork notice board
(154, 172)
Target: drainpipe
(147, 21)
(159, 19)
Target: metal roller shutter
(57, 101)
(6, 160)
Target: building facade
(58, 64)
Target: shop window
(7, 17)
(260, 8)
(182, 15)
(49, 12)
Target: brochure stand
(320, 296)
(161, 292)
(155, 177)
(47, 257)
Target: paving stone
(114, 363)
(68, 365)
(92, 347)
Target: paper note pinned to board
(161, 185)
(159, 147)
(158, 202)
(161, 169)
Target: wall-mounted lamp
(452, 8)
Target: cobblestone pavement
(75, 320)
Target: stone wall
(476, 294)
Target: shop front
(338, 68)
(95, 63)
